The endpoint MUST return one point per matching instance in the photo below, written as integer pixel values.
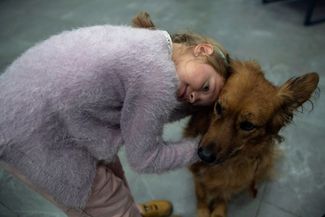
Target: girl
(71, 101)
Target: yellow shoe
(156, 208)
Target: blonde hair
(219, 59)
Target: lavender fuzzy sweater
(77, 97)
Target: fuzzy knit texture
(78, 96)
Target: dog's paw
(203, 213)
(217, 213)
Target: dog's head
(250, 111)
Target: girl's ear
(203, 49)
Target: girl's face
(199, 83)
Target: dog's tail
(142, 20)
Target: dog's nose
(206, 155)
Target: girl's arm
(142, 126)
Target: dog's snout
(206, 155)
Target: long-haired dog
(240, 132)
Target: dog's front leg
(202, 204)
(219, 208)
(253, 189)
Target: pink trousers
(110, 196)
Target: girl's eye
(205, 87)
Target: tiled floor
(272, 34)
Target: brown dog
(240, 133)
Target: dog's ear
(143, 20)
(298, 90)
(291, 95)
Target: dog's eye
(218, 108)
(246, 125)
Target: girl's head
(202, 67)
(201, 64)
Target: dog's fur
(241, 132)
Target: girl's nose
(192, 97)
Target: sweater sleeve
(145, 149)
